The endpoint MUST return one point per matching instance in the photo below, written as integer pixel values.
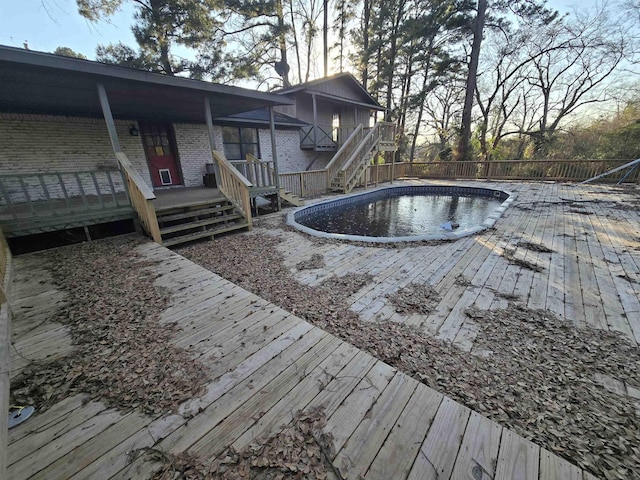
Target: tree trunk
(465, 127)
(325, 38)
(365, 42)
(282, 44)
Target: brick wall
(193, 151)
(290, 157)
(46, 143)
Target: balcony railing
(325, 137)
(39, 202)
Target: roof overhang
(41, 83)
(342, 101)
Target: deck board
(266, 363)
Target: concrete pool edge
(489, 222)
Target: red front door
(159, 145)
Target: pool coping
(489, 222)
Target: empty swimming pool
(406, 213)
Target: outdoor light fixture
(133, 131)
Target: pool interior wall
(386, 192)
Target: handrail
(359, 155)
(142, 197)
(234, 186)
(5, 338)
(344, 152)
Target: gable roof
(344, 77)
(36, 82)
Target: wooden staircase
(204, 219)
(291, 198)
(380, 138)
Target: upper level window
(240, 141)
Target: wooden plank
(395, 458)
(479, 449)
(237, 386)
(518, 459)
(355, 457)
(344, 420)
(309, 392)
(117, 459)
(439, 450)
(92, 449)
(553, 467)
(42, 457)
(287, 393)
(238, 415)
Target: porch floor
(267, 364)
(179, 197)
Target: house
(319, 132)
(86, 143)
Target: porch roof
(43, 83)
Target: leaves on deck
(415, 298)
(538, 375)
(300, 451)
(316, 261)
(123, 355)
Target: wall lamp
(133, 131)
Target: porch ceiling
(34, 82)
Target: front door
(159, 145)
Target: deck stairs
(365, 146)
(206, 219)
(291, 198)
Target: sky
(48, 24)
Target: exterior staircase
(200, 220)
(291, 198)
(359, 150)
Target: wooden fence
(305, 184)
(551, 170)
(309, 184)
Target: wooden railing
(234, 186)
(309, 183)
(325, 136)
(55, 193)
(260, 173)
(141, 198)
(5, 340)
(343, 155)
(360, 157)
(551, 170)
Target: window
(240, 141)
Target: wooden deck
(591, 276)
(267, 363)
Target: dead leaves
(415, 298)
(123, 354)
(300, 451)
(536, 373)
(316, 261)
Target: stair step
(199, 223)
(179, 207)
(194, 213)
(198, 235)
